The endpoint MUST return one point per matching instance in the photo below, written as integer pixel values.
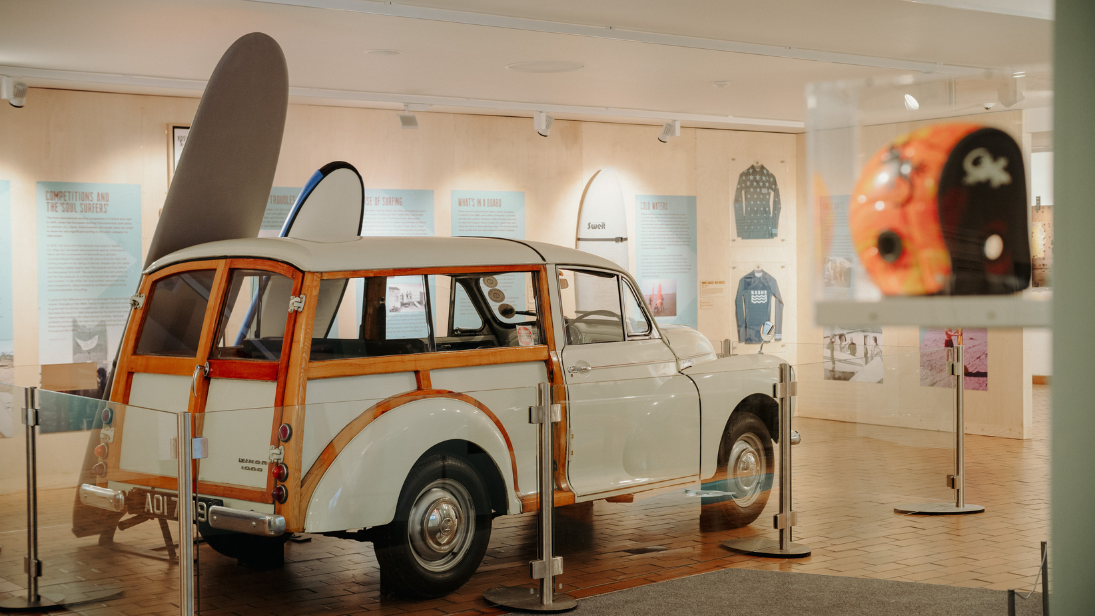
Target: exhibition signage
(665, 257)
(89, 264)
(491, 213)
(281, 202)
(401, 213)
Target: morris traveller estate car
(379, 389)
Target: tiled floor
(848, 479)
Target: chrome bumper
(249, 522)
(102, 498)
(221, 518)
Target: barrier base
(937, 509)
(769, 548)
(526, 599)
(55, 601)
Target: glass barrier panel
(106, 505)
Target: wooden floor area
(848, 479)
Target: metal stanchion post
(185, 452)
(1045, 579)
(956, 366)
(785, 390)
(522, 598)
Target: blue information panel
(405, 213)
(491, 213)
(665, 257)
(281, 202)
(89, 264)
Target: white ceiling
(644, 60)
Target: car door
(634, 419)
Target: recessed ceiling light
(911, 103)
(382, 52)
(720, 84)
(548, 66)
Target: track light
(672, 128)
(407, 119)
(15, 92)
(911, 103)
(1010, 91)
(542, 122)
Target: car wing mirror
(767, 333)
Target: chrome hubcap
(747, 467)
(440, 525)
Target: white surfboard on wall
(602, 222)
(602, 226)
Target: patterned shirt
(756, 204)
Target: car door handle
(577, 369)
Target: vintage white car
(379, 389)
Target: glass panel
(634, 318)
(591, 306)
(465, 316)
(174, 315)
(390, 318)
(252, 325)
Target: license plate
(164, 505)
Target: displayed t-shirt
(756, 204)
(758, 297)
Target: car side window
(252, 324)
(636, 325)
(175, 313)
(485, 310)
(372, 316)
(591, 306)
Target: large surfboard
(222, 183)
(330, 206)
(602, 221)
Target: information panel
(491, 213)
(665, 257)
(400, 213)
(89, 264)
(281, 202)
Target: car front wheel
(746, 465)
(440, 532)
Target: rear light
(280, 471)
(101, 450)
(285, 432)
(99, 468)
(280, 493)
(108, 416)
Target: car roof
(377, 253)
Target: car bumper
(218, 517)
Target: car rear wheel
(440, 532)
(746, 465)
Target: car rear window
(175, 313)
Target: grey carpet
(776, 593)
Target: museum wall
(71, 136)
(901, 399)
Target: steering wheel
(600, 313)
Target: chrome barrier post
(184, 453)
(784, 392)
(1045, 579)
(956, 366)
(544, 599)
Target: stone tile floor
(848, 479)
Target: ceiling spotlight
(911, 103)
(15, 92)
(1009, 91)
(672, 128)
(542, 122)
(407, 119)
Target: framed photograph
(176, 134)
